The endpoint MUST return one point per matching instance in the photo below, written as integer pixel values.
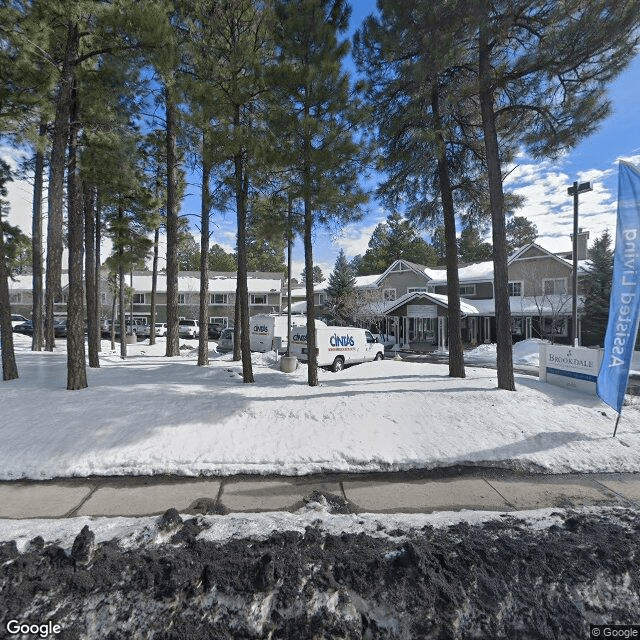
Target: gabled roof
(437, 298)
(519, 254)
(419, 269)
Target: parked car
(60, 328)
(188, 328)
(225, 342)
(214, 330)
(17, 319)
(25, 328)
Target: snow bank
(150, 414)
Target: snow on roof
(471, 272)
(217, 284)
(367, 281)
(25, 281)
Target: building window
(467, 289)
(258, 298)
(15, 298)
(138, 298)
(555, 326)
(517, 326)
(223, 320)
(181, 298)
(554, 286)
(414, 289)
(515, 289)
(321, 298)
(389, 295)
(218, 298)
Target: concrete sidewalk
(397, 492)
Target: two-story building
(539, 296)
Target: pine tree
(395, 239)
(340, 290)
(410, 51)
(318, 276)
(520, 232)
(542, 69)
(597, 291)
(9, 367)
(313, 114)
(471, 248)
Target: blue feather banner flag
(624, 304)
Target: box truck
(264, 328)
(338, 346)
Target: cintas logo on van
(341, 341)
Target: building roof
(217, 284)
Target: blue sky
(543, 183)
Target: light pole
(574, 190)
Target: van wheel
(338, 364)
(379, 356)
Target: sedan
(17, 319)
(25, 328)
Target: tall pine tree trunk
(496, 199)
(37, 340)
(90, 267)
(242, 291)
(312, 355)
(203, 337)
(97, 303)
(154, 286)
(56, 180)
(237, 355)
(9, 367)
(173, 339)
(456, 357)
(76, 366)
(121, 285)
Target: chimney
(583, 238)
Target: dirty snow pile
(149, 414)
(396, 577)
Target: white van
(338, 346)
(265, 327)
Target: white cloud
(355, 239)
(548, 205)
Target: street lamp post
(574, 190)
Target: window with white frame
(223, 320)
(554, 286)
(389, 294)
(258, 298)
(467, 289)
(515, 289)
(138, 298)
(218, 298)
(321, 298)
(414, 289)
(182, 298)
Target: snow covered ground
(150, 414)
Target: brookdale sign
(572, 367)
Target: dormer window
(467, 289)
